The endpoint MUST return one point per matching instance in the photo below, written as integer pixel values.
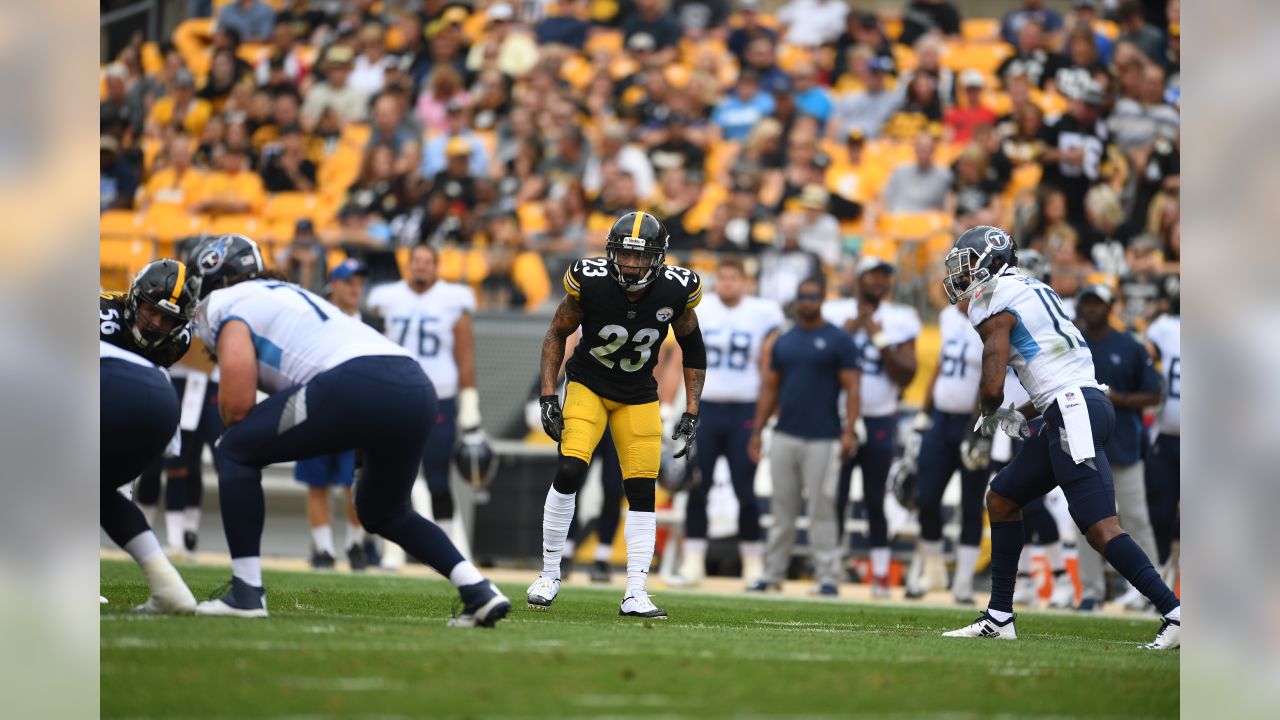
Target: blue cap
(880, 63)
(348, 269)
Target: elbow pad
(694, 350)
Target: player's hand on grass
(552, 418)
(686, 429)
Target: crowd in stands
(511, 134)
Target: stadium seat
(911, 226)
(983, 56)
(290, 206)
(152, 60)
(253, 53)
(120, 224)
(333, 258)
(533, 217)
(339, 170)
(904, 58)
(238, 224)
(356, 134)
(980, 29)
(609, 41)
(119, 258)
(170, 222)
(892, 25)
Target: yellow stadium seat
(120, 223)
(533, 217)
(356, 134)
(892, 27)
(1107, 29)
(790, 56)
(279, 231)
(237, 224)
(609, 41)
(170, 222)
(290, 206)
(984, 56)
(152, 60)
(912, 226)
(885, 248)
(333, 258)
(980, 29)
(339, 170)
(904, 58)
(253, 53)
(928, 349)
(119, 258)
(402, 260)
(1025, 178)
(192, 38)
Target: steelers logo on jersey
(664, 314)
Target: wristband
(880, 340)
(468, 408)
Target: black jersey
(111, 328)
(621, 338)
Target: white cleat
(638, 604)
(1169, 637)
(171, 601)
(238, 599)
(102, 600)
(486, 610)
(986, 627)
(543, 592)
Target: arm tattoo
(693, 381)
(567, 319)
(686, 323)
(994, 332)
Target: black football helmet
(980, 253)
(223, 259)
(1033, 264)
(903, 483)
(167, 286)
(636, 232)
(475, 460)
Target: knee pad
(570, 475)
(641, 493)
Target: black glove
(552, 419)
(687, 428)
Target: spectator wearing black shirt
(975, 193)
(652, 18)
(741, 223)
(861, 30)
(285, 167)
(1082, 61)
(1075, 148)
(922, 17)
(673, 148)
(749, 28)
(562, 25)
(379, 190)
(1135, 29)
(118, 176)
(1039, 64)
(1013, 20)
(699, 18)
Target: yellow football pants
(636, 430)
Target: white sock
(191, 519)
(879, 562)
(966, 561)
(1053, 553)
(355, 534)
(464, 573)
(999, 616)
(143, 547)
(604, 553)
(447, 526)
(751, 549)
(148, 512)
(1175, 614)
(174, 524)
(322, 538)
(557, 515)
(641, 532)
(931, 548)
(248, 569)
(694, 546)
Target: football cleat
(986, 627)
(189, 540)
(543, 592)
(827, 590)
(486, 605)
(174, 600)
(1168, 637)
(356, 557)
(236, 599)
(321, 560)
(963, 599)
(599, 572)
(1089, 605)
(102, 600)
(760, 586)
(638, 604)
(880, 587)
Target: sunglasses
(809, 297)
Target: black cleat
(189, 539)
(357, 558)
(600, 572)
(321, 561)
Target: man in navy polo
(1124, 366)
(807, 368)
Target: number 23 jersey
(423, 324)
(620, 338)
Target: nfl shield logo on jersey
(1071, 396)
(665, 314)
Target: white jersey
(107, 350)
(1166, 334)
(296, 333)
(960, 365)
(733, 336)
(900, 323)
(422, 323)
(1047, 351)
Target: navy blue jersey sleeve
(847, 352)
(1149, 379)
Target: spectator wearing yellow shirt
(232, 188)
(176, 182)
(517, 276)
(181, 110)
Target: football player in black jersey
(624, 303)
(153, 318)
(139, 411)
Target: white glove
(1012, 422)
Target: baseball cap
(641, 41)
(108, 143)
(458, 14)
(814, 196)
(184, 78)
(871, 262)
(881, 64)
(304, 226)
(972, 78)
(348, 269)
(456, 146)
(857, 135)
(778, 84)
(339, 55)
(1102, 292)
(1078, 4)
(1091, 93)
(500, 11)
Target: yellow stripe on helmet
(635, 229)
(177, 287)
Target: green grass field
(377, 647)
